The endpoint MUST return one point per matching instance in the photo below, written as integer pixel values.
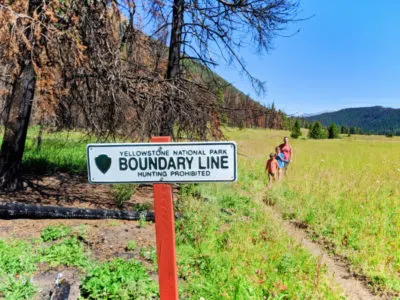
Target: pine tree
(333, 131)
(317, 131)
(296, 131)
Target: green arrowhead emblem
(103, 162)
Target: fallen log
(16, 210)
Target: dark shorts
(272, 174)
(286, 164)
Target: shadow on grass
(41, 166)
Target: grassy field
(347, 191)
(228, 245)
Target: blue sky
(347, 55)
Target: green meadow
(229, 244)
(347, 191)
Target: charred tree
(174, 61)
(204, 31)
(15, 210)
(18, 111)
(174, 56)
(32, 34)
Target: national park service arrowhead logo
(103, 162)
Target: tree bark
(18, 112)
(173, 69)
(15, 210)
(174, 56)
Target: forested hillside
(238, 109)
(149, 57)
(376, 119)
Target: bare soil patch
(74, 191)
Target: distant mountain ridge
(305, 115)
(375, 119)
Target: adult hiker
(287, 152)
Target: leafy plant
(149, 253)
(188, 190)
(131, 245)
(16, 288)
(16, 257)
(68, 252)
(123, 192)
(118, 279)
(54, 232)
(142, 221)
(141, 206)
(82, 231)
(17, 262)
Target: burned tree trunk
(15, 210)
(173, 70)
(176, 40)
(18, 111)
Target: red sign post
(165, 236)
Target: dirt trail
(336, 267)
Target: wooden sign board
(162, 162)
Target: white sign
(162, 162)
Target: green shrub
(131, 245)
(122, 193)
(188, 190)
(142, 221)
(149, 253)
(55, 232)
(141, 206)
(17, 262)
(68, 252)
(118, 279)
(16, 257)
(16, 288)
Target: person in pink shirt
(287, 152)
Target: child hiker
(272, 169)
(281, 161)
